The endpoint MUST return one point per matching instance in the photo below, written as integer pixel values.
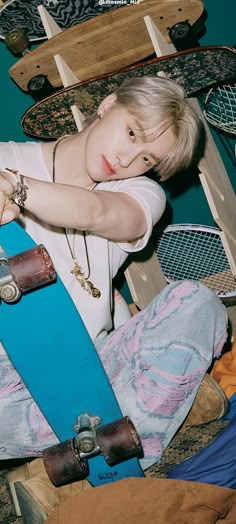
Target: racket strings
(195, 255)
(223, 282)
(220, 108)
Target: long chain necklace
(77, 270)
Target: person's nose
(127, 156)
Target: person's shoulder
(144, 181)
(139, 183)
(144, 187)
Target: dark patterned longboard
(195, 70)
(23, 14)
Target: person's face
(114, 149)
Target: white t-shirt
(105, 256)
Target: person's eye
(147, 162)
(131, 134)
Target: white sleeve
(26, 157)
(152, 199)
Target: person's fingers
(6, 185)
(8, 209)
(2, 204)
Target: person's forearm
(116, 216)
(62, 205)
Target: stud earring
(99, 116)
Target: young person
(84, 199)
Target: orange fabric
(224, 371)
(149, 501)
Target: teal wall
(190, 205)
(13, 102)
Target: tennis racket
(220, 108)
(195, 252)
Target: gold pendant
(84, 282)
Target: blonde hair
(159, 103)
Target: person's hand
(6, 185)
(8, 209)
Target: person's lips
(107, 166)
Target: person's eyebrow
(157, 160)
(141, 129)
(138, 125)
(142, 132)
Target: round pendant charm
(96, 293)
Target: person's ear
(106, 104)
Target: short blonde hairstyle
(159, 103)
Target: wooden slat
(145, 280)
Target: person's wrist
(16, 190)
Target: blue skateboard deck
(49, 346)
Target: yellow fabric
(149, 501)
(224, 371)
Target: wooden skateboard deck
(194, 69)
(48, 344)
(23, 14)
(104, 43)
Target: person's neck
(70, 165)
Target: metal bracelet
(19, 195)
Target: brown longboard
(106, 42)
(195, 69)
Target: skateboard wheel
(183, 36)
(63, 465)
(119, 441)
(17, 41)
(39, 87)
(32, 268)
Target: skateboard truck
(68, 461)
(86, 440)
(24, 272)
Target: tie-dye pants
(155, 363)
